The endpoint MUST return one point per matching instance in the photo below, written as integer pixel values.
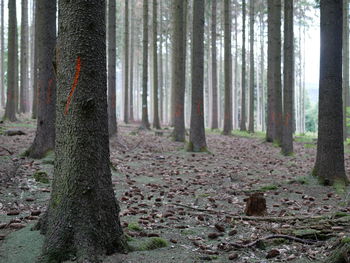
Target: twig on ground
(7, 150)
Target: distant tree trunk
(2, 57)
(243, 92)
(82, 218)
(145, 123)
(252, 68)
(197, 142)
(16, 72)
(132, 67)
(23, 105)
(126, 61)
(274, 108)
(44, 140)
(236, 82)
(214, 77)
(288, 79)
(161, 69)
(329, 167)
(228, 70)
(346, 98)
(178, 69)
(156, 122)
(262, 71)
(112, 118)
(10, 110)
(35, 63)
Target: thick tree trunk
(243, 91)
(2, 57)
(145, 123)
(288, 79)
(228, 70)
(179, 69)
(274, 100)
(23, 104)
(112, 28)
(10, 110)
(126, 61)
(197, 142)
(156, 122)
(214, 70)
(251, 67)
(346, 98)
(82, 219)
(44, 140)
(329, 167)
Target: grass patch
(153, 243)
(309, 145)
(41, 177)
(134, 226)
(269, 187)
(345, 240)
(305, 138)
(245, 134)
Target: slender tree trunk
(262, 71)
(2, 57)
(197, 142)
(145, 123)
(274, 108)
(236, 83)
(346, 99)
(228, 70)
(10, 110)
(23, 105)
(243, 92)
(112, 118)
(35, 63)
(132, 68)
(252, 68)
(329, 167)
(161, 69)
(288, 79)
(214, 78)
(126, 59)
(82, 219)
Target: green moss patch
(154, 243)
(270, 187)
(134, 226)
(41, 177)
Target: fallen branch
(7, 150)
(252, 244)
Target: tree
(132, 52)
(288, 79)
(112, 118)
(243, 91)
(126, 61)
(35, 63)
(179, 69)
(274, 97)
(10, 110)
(197, 142)
(346, 99)
(2, 57)
(44, 140)
(145, 123)
(214, 77)
(251, 65)
(156, 122)
(23, 105)
(82, 218)
(228, 70)
(329, 167)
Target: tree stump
(256, 205)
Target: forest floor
(191, 203)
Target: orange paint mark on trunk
(199, 110)
(49, 91)
(287, 118)
(75, 83)
(179, 110)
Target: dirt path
(191, 201)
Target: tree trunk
(214, 70)
(179, 69)
(288, 79)
(262, 71)
(228, 70)
(44, 140)
(23, 105)
(145, 123)
(329, 167)
(274, 108)
(156, 122)
(197, 142)
(10, 110)
(346, 99)
(236, 83)
(252, 69)
(243, 92)
(2, 57)
(126, 59)
(82, 220)
(131, 73)
(112, 118)
(35, 63)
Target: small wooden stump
(256, 205)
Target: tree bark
(35, 63)
(2, 57)
(112, 118)
(126, 62)
(145, 123)
(23, 105)
(346, 98)
(82, 219)
(288, 79)
(197, 141)
(214, 70)
(44, 140)
(10, 110)
(243, 91)
(131, 73)
(251, 67)
(329, 167)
